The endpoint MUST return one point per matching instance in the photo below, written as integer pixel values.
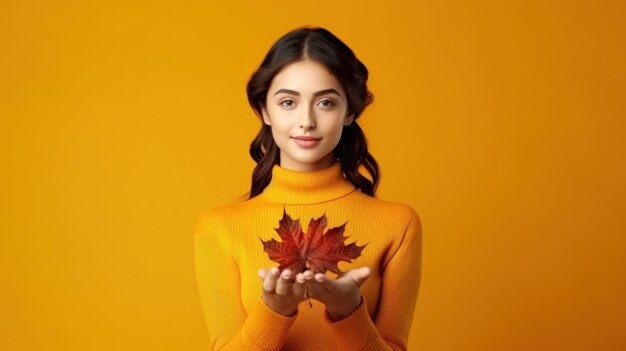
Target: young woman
(308, 93)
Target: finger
(320, 277)
(284, 283)
(308, 275)
(324, 281)
(299, 286)
(320, 288)
(300, 278)
(269, 284)
(263, 273)
(361, 275)
(357, 275)
(315, 290)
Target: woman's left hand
(342, 295)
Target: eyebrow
(318, 93)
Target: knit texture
(228, 254)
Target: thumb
(360, 275)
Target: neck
(288, 163)
(307, 187)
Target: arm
(400, 285)
(217, 276)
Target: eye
(288, 105)
(330, 103)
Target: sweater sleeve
(399, 289)
(218, 282)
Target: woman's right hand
(282, 293)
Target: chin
(305, 159)
(308, 158)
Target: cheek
(280, 130)
(279, 122)
(335, 130)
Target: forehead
(305, 77)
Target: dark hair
(320, 45)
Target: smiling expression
(306, 109)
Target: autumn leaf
(315, 250)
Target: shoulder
(217, 216)
(406, 215)
(403, 225)
(398, 212)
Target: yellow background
(500, 122)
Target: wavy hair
(320, 45)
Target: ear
(349, 120)
(266, 116)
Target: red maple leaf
(316, 251)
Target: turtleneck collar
(308, 187)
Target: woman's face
(305, 101)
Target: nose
(307, 119)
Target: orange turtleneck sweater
(228, 255)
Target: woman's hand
(342, 295)
(282, 293)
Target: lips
(308, 138)
(306, 141)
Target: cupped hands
(283, 291)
